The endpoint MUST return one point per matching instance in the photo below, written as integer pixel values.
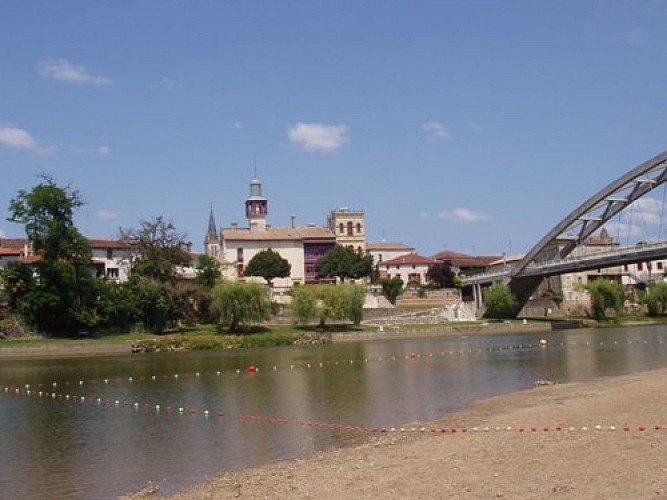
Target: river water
(101, 427)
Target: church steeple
(211, 241)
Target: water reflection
(53, 447)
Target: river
(101, 427)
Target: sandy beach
(598, 440)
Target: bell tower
(256, 206)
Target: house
(466, 264)
(387, 250)
(109, 257)
(412, 268)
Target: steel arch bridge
(524, 278)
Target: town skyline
(471, 127)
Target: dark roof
(464, 260)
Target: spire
(212, 232)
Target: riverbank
(170, 343)
(541, 443)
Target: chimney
(293, 219)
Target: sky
(469, 126)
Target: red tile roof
(411, 258)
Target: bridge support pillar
(477, 295)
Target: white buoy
(544, 342)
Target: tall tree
(156, 249)
(344, 263)
(269, 265)
(63, 297)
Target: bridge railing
(535, 268)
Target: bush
(500, 302)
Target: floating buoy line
(160, 410)
(64, 391)
(319, 365)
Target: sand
(607, 447)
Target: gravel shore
(598, 440)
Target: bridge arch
(587, 218)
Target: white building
(411, 268)
(301, 246)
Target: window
(414, 278)
(113, 273)
(658, 266)
(341, 228)
(379, 257)
(109, 253)
(350, 226)
(640, 266)
(358, 227)
(239, 254)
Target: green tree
(344, 263)
(328, 303)
(392, 288)
(269, 265)
(655, 298)
(235, 304)
(304, 304)
(156, 249)
(117, 303)
(605, 295)
(155, 304)
(357, 297)
(208, 271)
(18, 280)
(500, 302)
(63, 297)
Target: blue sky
(472, 126)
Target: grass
(202, 336)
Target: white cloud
(316, 137)
(103, 150)
(463, 215)
(17, 138)
(106, 214)
(436, 130)
(64, 71)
